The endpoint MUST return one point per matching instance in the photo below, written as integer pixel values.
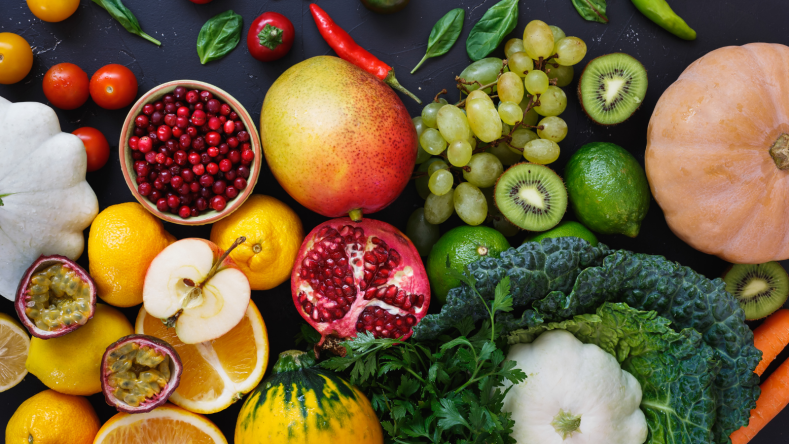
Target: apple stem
(355, 214)
(221, 259)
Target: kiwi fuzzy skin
(581, 99)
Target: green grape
(419, 125)
(569, 51)
(477, 94)
(439, 208)
(421, 181)
(459, 153)
(453, 123)
(538, 40)
(510, 88)
(552, 103)
(484, 169)
(536, 82)
(432, 141)
(435, 166)
(422, 233)
(562, 74)
(430, 112)
(542, 151)
(554, 129)
(505, 129)
(520, 63)
(505, 154)
(440, 182)
(505, 227)
(510, 113)
(472, 140)
(470, 204)
(489, 193)
(484, 119)
(558, 34)
(512, 46)
(484, 71)
(520, 137)
(421, 154)
(529, 117)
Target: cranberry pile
(191, 152)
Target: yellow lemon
(71, 363)
(274, 235)
(53, 418)
(13, 352)
(123, 241)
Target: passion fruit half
(54, 297)
(139, 373)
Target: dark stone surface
(91, 39)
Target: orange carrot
(774, 397)
(771, 338)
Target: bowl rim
(127, 163)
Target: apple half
(196, 287)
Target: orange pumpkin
(717, 155)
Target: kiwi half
(612, 87)
(760, 289)
(531, 196)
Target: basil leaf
(219, 36)
(444, 34)
(592, 10)
(491, 29)
(125, 17)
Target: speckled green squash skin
(337, 138)
(608, 189)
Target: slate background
(91, 39)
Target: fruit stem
(392, 81)
(779, 152)
(355, 214)
(221, 259)
(2, 196)
(443, 91)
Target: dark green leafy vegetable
(560, 278)
(219, 36)
(676, 370)
(491, 29)
(592, 10)
(444, 34)
(125, 17)
(441, 391)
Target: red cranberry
(173, 201)
(175, 170)
(161, 205)
(188, 175)
(184, 212)
(168, 98)
(231, 192)
(229, 127)
(177, 132)
(199, 105)
(205, 96)
(139, 132)
(141, 179)
(171, 120)
(225, 165)
(232, 142)
(234, 156)
(213, 138)
(198, 143)
(157, 118)
(207, 180)
(194, 187)
(144, 189)
(195, 212)
(153, 175)
(150, 129)
(179, 93)
(214, 123)
(206, 193)
(219, 187)
(194, 158)
(233, 116)
(164, 132)
(218, 203)
(205, 128)
(225, 109)
(145, 144)
(212, 168)
(155, 196)
(199, 169)
(138, 155)
(231, 175)
(192, 97)
(141, 121)
(205, 159)
(184, 189)
(141, 168)
(201, 204)
(223, 149)
(243, 171)
(185, 141)
(180, 157)
(165, 176)
(182, 122)
(171, 144)
(186, 199)
(247, 156)
(213, 106)
(183, 112)
(158, 184)
(240, 183)
(243, 136)
(148, 109)
(161, 158)
(212, 151)
(223, 119)
(170, 107)
(177, 181)
(192, 131)
(158, 105)
(198, 118)
(168, 162)
(133, 142)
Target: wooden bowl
(127, 163)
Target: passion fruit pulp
(54, 297)
(139, 373)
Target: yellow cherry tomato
(53, 10)
(16, 58)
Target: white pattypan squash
(574, 393)
(46, 202)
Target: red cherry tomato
(96, 146)
(270, 36)
(113, 87)
(66, 86)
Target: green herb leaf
(449, 416)
(125, 17)
(219, 36)
(270, 36)
(444, 35)
(592, 10)
(491, 29)
(502, 301)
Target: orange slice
(14, 345)
(164, 424)
(216, 373)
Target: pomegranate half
(55, 296)
(139, 373)
(352, 277)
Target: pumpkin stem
(293, 360)
(565, 424)
(780, 151)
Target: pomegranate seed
(247, 155)
(133, 142)
(219, 187)
(141, 121)
(218, 203)
(176, 182)
(144, 189)
(225, 165)
(212, 151)
(231, 192)
(198, 169)
(192, 97)
(161, 205)
(213, 106)
(212, 168)
(229, 127)
(234, 156)
(194, 158)
(240, 183)
(183, 112)
(198, 118)
(177, 132)
(214, 123)
(170, 108)
(164, 133)
(185, 212)
(188, 175)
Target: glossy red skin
(337, 138)
(120, 79)
(66, 86)
(96, 146)
(261, 52)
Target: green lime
(565, 229)
(608, 189)
(462, 246)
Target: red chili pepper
(347, 49)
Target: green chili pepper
(660, 12)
